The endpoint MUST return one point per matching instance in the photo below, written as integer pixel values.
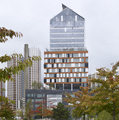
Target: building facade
(50, 98)
(66, 63)
(33, 73)
(66, 70)
(23, 79)
(15, 87)
(67, 30)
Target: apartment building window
(53, 55)
(83, 80)
(48, 80)
(82, 59)
(75, 55)
(86, 59)
(81, 54)
(53, 80)
(86, 64)
(82, 65)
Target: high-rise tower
(66, 63)
(33, 73)
(67, 30)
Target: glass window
(76, 18)
(83, 80)
(28, 95)
(38, 100)
(39, 95)
(82, 59)
(61, 17)
(86, 59)
(75, 55)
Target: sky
(32, 17)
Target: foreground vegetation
(100, 103)
(104, 97)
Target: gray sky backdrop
(31, 17)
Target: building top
(64, 6)
(67, 15)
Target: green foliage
(79, 102)
(104, 97)
(61, 112)
(7, 73)
(28, 110)
(6, 112)
(36, 85)
(104, 116)
(5, 33)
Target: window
(82, 59)
(76, 18)
(61, 17)
(39, 95)
(75, 55)
(83, 80)
(65, 29)
(86, 59)
(28, 95)
(38, 100)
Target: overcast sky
(31, 17)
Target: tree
(42, 111)
(61, 112)
(6, 73)
(79, 102)
(6, 112)
(106, 95)
(28, 110)
(104, 116)
(37, 85)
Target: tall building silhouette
(23, 79)
(33, 73)
(66, 63)
(15, 87)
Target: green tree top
(6, 73)
(106, 96)
(61, 112)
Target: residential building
(66, 70)
(23, 79)
(15, 87)
(32, 74)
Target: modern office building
(67, 30)
(66, 63)
(49, 98)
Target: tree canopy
(6, 73)
(61, 112)
(103, 97)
